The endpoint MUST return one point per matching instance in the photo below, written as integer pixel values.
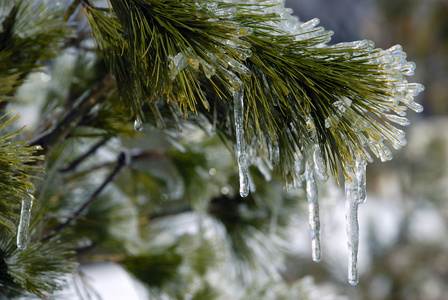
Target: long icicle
(352, 227)
(24, 223)
(238, 110)
(360, 170)
(313, 209)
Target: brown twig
(80, 159)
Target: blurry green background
(403, 225)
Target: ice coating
(313, 210)
(398, 120)
(24, 223)
(177, 64)
(352, 227)
(243, 165)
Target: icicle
(319, 163)
(138, 124)
(313, 210)
(238, 109)
(24, 223)
(360, 173)
(351, 225)
(274, 153)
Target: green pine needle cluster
(23, 43)
(36, 270)
(17, 169)
(298, 90)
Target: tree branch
(61, 131)
(80, 159)
(121, 162)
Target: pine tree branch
(80, 159)
(121, 162)
(66, 126)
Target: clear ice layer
(313, 211)
(24, 223)
(243, 164)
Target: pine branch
(65, 127)
(17, 170)
(121, 162)
(26, 39)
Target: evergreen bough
(171, 89)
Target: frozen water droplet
(24, 223)
(352, 227)
(138, 124)
(243, 166)
(418, 108)
(367, 155)
(313, 210)
(408, 68)
(395, 50)
(385, 153)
